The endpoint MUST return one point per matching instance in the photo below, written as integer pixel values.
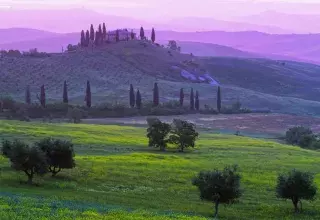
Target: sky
(164, 9)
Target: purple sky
(166, 9)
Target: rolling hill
(287, 87)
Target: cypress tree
(88, 95)
(132, 96)
(97, 38)
(219, 100)
(181, 97)
(132, 35)
(117, 36)
(138, 100)
(192, 100)
(197, 104)
(104, 32)
(28, 96)
(43, 97)
(65, 93)
(83, 39)
(87, 38)
(141, 33)
(91, 33)
(100, 35)
(155, 95)
(153, 35)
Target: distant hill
(298, 47)
(289, 87)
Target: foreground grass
(126, 176)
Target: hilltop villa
(124, 35)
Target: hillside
(288, 87)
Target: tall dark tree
(181, 97)
(141, 33)
(138, 100)
(42, 97)
(28, 96)
(153, 35)
(155, 95)
(65, 93)
(97, 38)
(117, 36)
(88, 95)
(197, 104)
(132, 96)
(83, 39)
(87, 38)
(100, 34)
(191, 100)
(92, 33)
(219, 100)
(104, 32)
(132, 35)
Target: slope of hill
(258, 83)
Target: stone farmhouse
(124, 35)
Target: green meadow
(117, 176)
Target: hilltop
(287, 87)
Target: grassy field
(118, 177)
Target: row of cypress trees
(194, 99)
(135, 98)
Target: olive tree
(30, 160)
(219, 186)
(157, 133)
(183, 134)
(297, 135)
(296, 185)
(59, 153)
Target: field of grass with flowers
(117, 176)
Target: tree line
(135, 98)
(100, 36)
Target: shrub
(183, 134)
(59, 153)
(75, 114)
(296, 135)
(296, 185)
(157, 133)
(30, 160)
(219, 187)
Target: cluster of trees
(143, 36)
(223, 186)
(47, 155)
(181, 133)
(91, 36)
(303, 137)
(135, 100)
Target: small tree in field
(197, 103)
(88, 95)
(181, 97)
(132, 96)
(65, 93)
(30, 160)
(183, 134)
(28, 95)
(59, 153)
(219, 187)
(138, 100)
(296, 185)
(219, 99)
(157, 133)
(296, 135)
